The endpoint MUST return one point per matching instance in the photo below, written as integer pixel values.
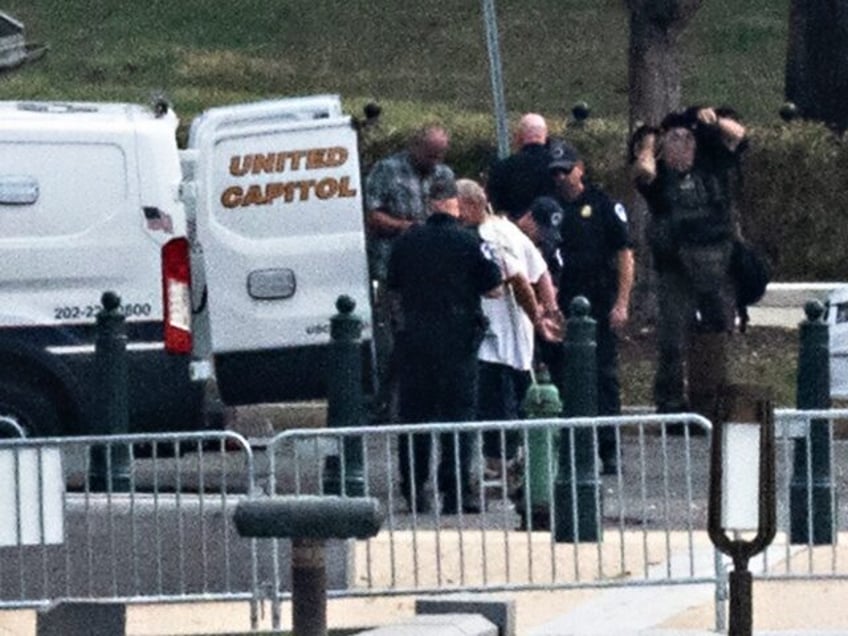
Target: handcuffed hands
(618, 316)
(550, 325)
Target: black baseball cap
(563, 156)
(548, 215)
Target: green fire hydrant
(541, 402)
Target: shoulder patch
(621, 212)
(556, 219)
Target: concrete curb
(438, 625)
(501, 612)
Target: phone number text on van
(74, 312)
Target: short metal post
(578, 494)
(309, 521)
(743, 437)
(344, 475)
(811, 467)
(110, 466)
(309, 587)
(741, 600)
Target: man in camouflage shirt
(397, 197)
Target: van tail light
(176, 277)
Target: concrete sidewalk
(796, 607)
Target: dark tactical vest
(688, 211)
(699, 207)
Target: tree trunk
(653, 58)
(817, 60)
(654, 88)
(653, 71)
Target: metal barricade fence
(653, 518)
(166, 536)
(9, 427)
(812, 492)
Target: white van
(277, 200)
(265, 206)
(89, 196)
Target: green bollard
(813, 392)
(541, 402)
(344, 475)
(577, 491)
(109, 468)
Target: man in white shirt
(528, 304)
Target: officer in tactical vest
(686, 171)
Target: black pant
(438, 383)
(502, 391)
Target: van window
(77, 185)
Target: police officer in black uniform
(440, 270)
(516, 180)
(597, 262)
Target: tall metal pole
(496, 76)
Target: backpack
(751, 274)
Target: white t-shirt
(509, 338)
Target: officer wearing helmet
(687, 172)
(597, 262)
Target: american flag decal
(157, 220)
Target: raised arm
(732, 132)
(644, 160)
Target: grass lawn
(417, 58)
(763, 355)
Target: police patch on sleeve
(488, 251)
(556, 219)
(620, 212)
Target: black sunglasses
(562, 170)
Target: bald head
(428, 148)
(532, 129)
